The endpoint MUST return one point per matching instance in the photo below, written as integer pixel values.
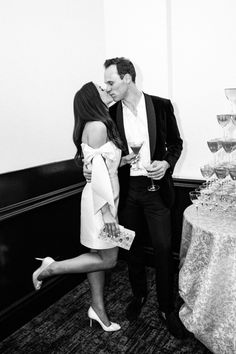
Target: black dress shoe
(134, 308)
(175, 326)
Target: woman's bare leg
(94, 264)
(85, 263)
(96, 282)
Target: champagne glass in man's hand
(153, 187)
(135, 147)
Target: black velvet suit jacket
(165, 142)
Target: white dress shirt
(136, 130)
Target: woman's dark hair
(88, 106)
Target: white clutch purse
(123, 239)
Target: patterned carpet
(63, 328)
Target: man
(149, 119)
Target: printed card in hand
(123, 238)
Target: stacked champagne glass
(218, 194)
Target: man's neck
(132, 99)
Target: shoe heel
(90, 322)
(45, 263)
(93, 316)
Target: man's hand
(158, 169)
(128, 159)
(87, 172)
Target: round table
(207, 278)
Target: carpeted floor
(63, 328)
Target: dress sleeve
(101, 184)
(100, 180)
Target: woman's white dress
(103, 189)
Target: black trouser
(140, 204)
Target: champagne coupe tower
(222, 188)
(230, 94)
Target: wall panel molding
(39, 216)
(39, 201)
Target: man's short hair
(123, 65)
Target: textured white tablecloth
(207, 279)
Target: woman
(98, 142)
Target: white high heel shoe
(93, 316)
(45, 263)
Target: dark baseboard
(36, 182)
(39, 216)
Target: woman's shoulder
(95, 133)
(96, 125)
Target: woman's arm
(96, 136)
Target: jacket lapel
(120, 125)
(151, 118)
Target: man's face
(105, 97)
(115, 86)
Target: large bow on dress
(100, 180)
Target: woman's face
(105, 97)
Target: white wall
(137, 29)
(184, 50)
(48, 50)
(203, 58)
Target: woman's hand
(128, 159)
(110, 225)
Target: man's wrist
(167, 165)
